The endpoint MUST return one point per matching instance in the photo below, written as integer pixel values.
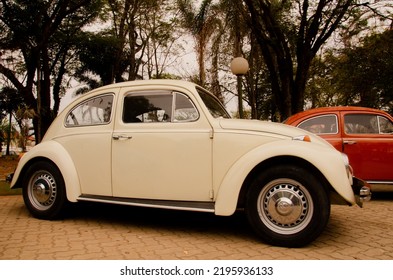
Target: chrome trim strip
(381, 186)
(381, 182)
(162, 204)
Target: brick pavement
(105, 232)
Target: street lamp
(239, 67)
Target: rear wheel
(44, 190)
(287, 206)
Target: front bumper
(362, 191)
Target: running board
(152, 203)
(381, 186)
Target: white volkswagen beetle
(171, 144)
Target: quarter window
(385, 125)
(213, 105)
(326, 124)
(185, 110)
(95, 111)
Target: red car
(364, 134)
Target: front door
(368, 142)
(161, 149)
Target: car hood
(274, 129)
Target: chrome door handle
(121, 137)
(349, 142)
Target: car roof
(333, 109)
(147, 82)
(154, 82)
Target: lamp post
(239, 67)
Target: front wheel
(287, 206)
(44, 191)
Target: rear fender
(54, 152)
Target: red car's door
(368, 142)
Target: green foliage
(36, 42)
(292, 33)
(167, 76)
(97, 52)
(10, 99)
(99, 42)
(5, 189)
(321, 90)
(363, 75)
(9, 102)
(202, 22)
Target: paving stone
(106, 232)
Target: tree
(124, 16)
(201, 24)
(35, 38)
(259, 95)
(99, 62)
(362, 75)
(320, 89)
(9, 100)
(229, 28)
(23, 115)
(159, 33)
(135, 43)
(290, 33)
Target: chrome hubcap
(285, 206)
(42, 190)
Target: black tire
(287, 206)
(44, 191)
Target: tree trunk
(9, 135)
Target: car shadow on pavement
(382, 195)
(164, 219)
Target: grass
(7, 166)
(5, 189)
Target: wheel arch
(331, 172)
(276, 161)
(55, 154)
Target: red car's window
(361, 124)
(326, 124)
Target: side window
(361, 124)
(147, 108)
(326, 124)
(385, 125)
(95, 111)
(158, 107)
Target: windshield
(214, 106)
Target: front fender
(53, 151)
(326, 159)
